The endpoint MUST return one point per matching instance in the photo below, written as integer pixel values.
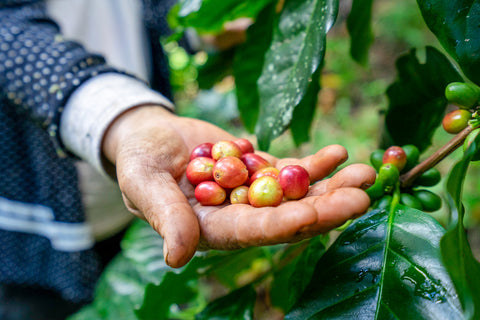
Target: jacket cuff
(92, 108)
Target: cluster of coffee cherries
(390, 163)
(230, 170)
(466, 97)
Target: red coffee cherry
(396, 156)
(265, 191)
(230, 172)
(209, 193)
(456, 121)
(200, 169)
(294, 181)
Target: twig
(408, 178)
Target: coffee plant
(396, 261)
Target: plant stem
(407, 179)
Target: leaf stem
(408, 178)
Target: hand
(150, 148)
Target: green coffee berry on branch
(388, 175)
(376, 158)
(413, 154)
(375, 191)
(464, 95)
(410, 201)
(430, 201)
(384, 202)
(456, 121)
(429, 178)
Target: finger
(334, 208)
(159, 199)
(238, 226)
(320, 164)
(356, 175)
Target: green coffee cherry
(429, 178)
(429, 200)
(376, 191)
(384, 202)
(376, 158)
(388, 174)
(413, 154)
(456, 121)
(470, 138)
(410, 201)
(465, 95)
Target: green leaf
(383, 266)
(416, 99)
(303, 114)
(456, 252)
(456, 24)
(209, 16)
(360, 30)
(296, 52)
(120, 289)
(290, 281)
(237, 305)
(248, 63)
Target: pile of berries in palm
(231, 171)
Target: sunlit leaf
(383, 266)
(296, 52)
(209, 16)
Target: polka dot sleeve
(39, 69)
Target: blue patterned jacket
(40, 205)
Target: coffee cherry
(268, 171)
(429, 178)
(429, 200)
(209, 193)
(200, 169)
(413, 154)
(463, 94)
(384, 202)
(245, 145)
(230, 172)
(388, 175)
(456, 121)
(396, 156)
(254, 162)
(225, 148)
(410, 201)
(202, 150)
(376, 158)
(239, 195)
(294, 180)
(265, 191)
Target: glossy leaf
(383, 266)
(296, 52)
(209, 16)
(457, 254)
(303, 114)
(291, 279)
(416, 99)
(248, 64)
(456, 24)
(237, 305)
(360, 30)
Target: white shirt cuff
(92, 108)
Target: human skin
(150, 149)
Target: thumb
(159, 200)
